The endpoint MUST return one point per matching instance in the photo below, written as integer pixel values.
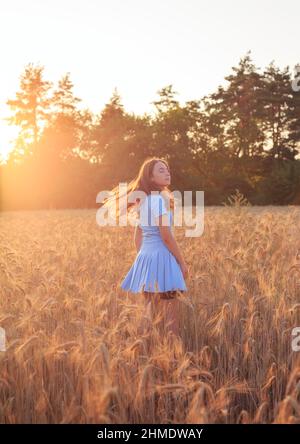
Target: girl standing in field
(159, 269)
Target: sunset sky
(141, 46)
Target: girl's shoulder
(159, 200)
(151, 198)
(155, 205)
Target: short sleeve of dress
(158, 206)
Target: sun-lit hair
(142, 182)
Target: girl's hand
(184, 269)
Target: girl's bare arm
(138, 237)
(169, 240)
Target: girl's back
(153, 206)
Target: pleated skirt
(155, 269)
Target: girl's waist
(151, 240)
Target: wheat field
(74, 351)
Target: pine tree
(31, 110)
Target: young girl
(159, 269)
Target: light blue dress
(155, 268)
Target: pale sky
(141, 46)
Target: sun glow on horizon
(8, 133)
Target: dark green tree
(275, 97)
(237, 110)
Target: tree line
(244, 136)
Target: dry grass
(74, 352)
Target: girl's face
(161, 174)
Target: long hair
(142, 182)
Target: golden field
(74, 351)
